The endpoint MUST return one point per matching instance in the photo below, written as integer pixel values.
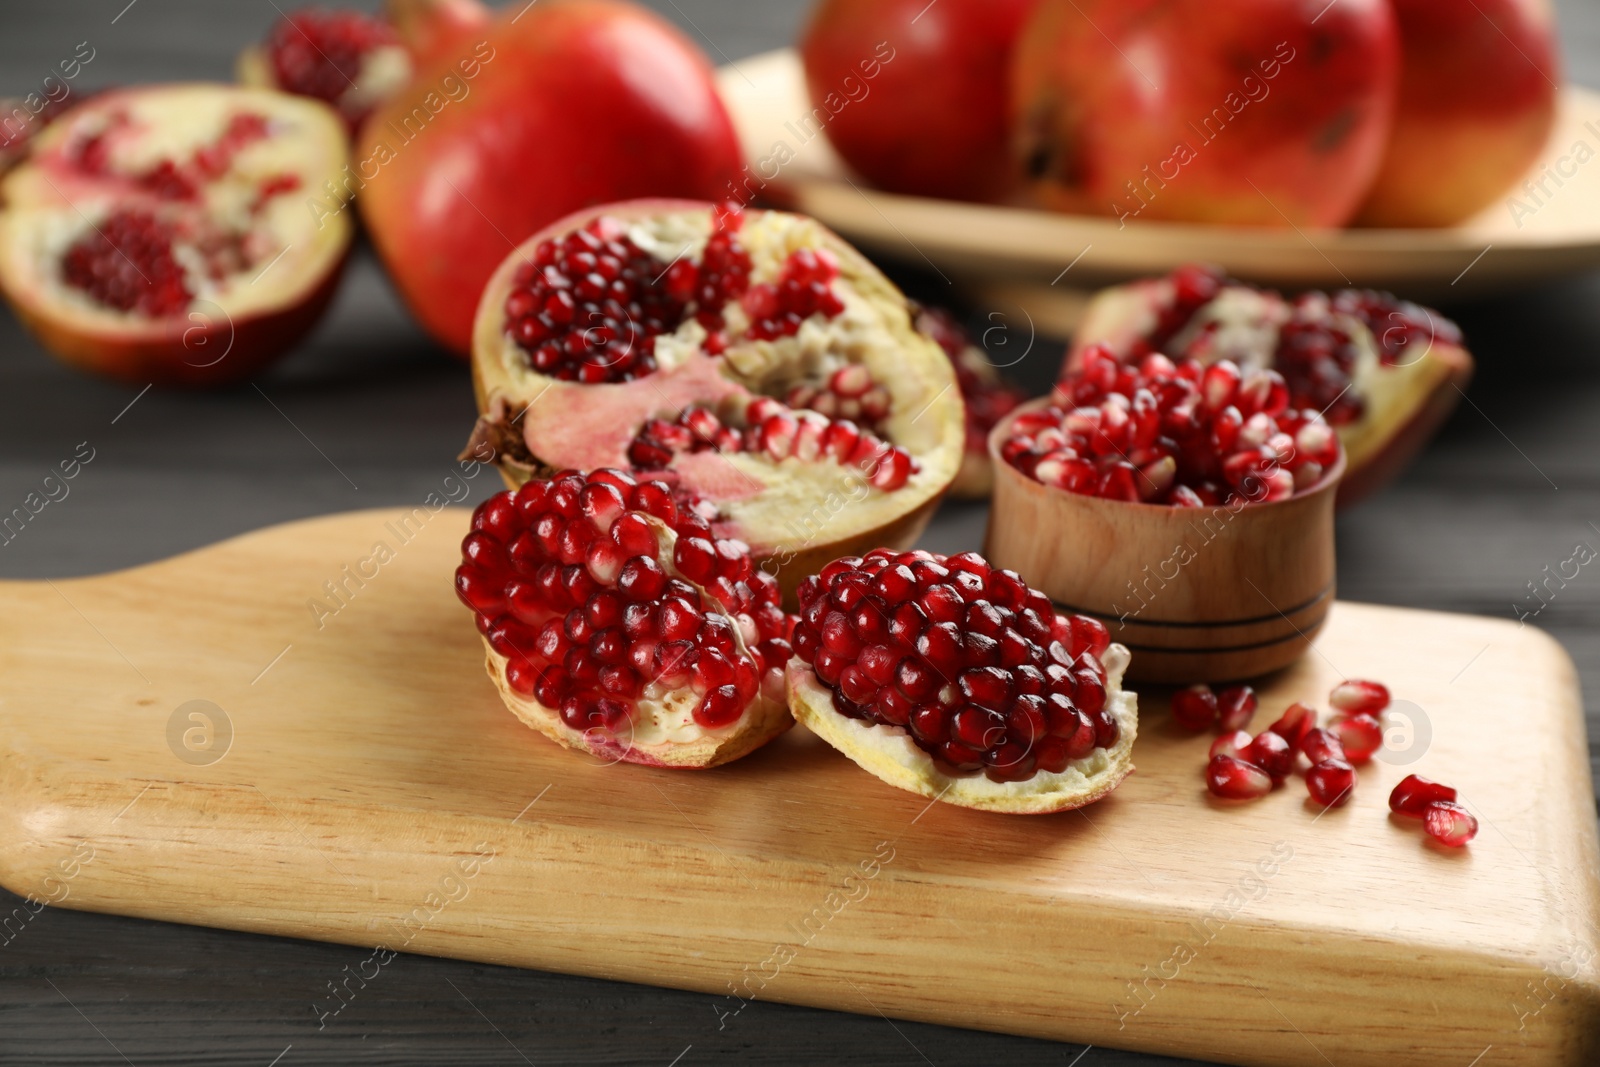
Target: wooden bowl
(1197, 594)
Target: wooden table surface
(366, 414)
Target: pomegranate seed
(319, 53)
(1331, 782)
(1414, 793)
(1231, 744)
(1298, 720)
(1236, 706)
(1357, 696)
(1320, 745)
(99, 263)
(1271, 753)
(1361, 736)
(1233, 779)
(1449, 823)
(1195, 708)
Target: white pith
(48, 208)
(760, 499)
(890, 753)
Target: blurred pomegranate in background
(560, 105)
(1477, 101)
(1253, 112)
(913, 94)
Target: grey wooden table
(1510, 486)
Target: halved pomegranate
(986, 396)
(618, 623)
(1384, 372)
(161, 234)
(660, 335)
(949, 678)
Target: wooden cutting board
(216, 739)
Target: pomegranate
(1477, 102)
(947, 677)
(560, 105)
(1254, 112)
(985, 395)
(912, 94)
(659, 335)
(617, 622)
(160, 234)
(1415, 794)
(1384, 372)
(1178, 434)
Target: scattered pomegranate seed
(1298, 720)
(1320, 745)
(1449, 823)
(1142, 433)
(1195, 708)
(1236, 706)
(1233, 779)
(1271, 753)
(1361, 735)
(127, 263)
(1331, 782)
(1231, 744)
(1356, 696)
(975, 664)
(318, 52)
(1414, 793)
(564, 578)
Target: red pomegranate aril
(126, 262)
(1449, 823)
(1236, 706)
(1320, 744)
(1271, 753)
(1195, 708)
(319, 53)
(1361, 735)
(1231, 744)
(1414, 793)
(1357, 696)
(1298, 720)
(1234, 779)
(1331, 782)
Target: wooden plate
(1552, 233)
(291, 733)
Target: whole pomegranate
(912, 94)
(568, 103)
(1477, 100)
(1254, 112)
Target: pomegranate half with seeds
(161, 234)
(953, 679)
(750, 360)
(618, 623)
(1384, 372)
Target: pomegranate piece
(658, 336)
(1361, 736)
(613, 630)
(1195, 708)
(335, 57)
(1356, 696)
(950, 678)
(1171, 433)
(1233, 779)
(1231, 744)
(986, 396)
(1341, 353)
(1236, 706)
(1271, 753)
(1331, 782)
(154, 234)
(1320, 745)
(1297, 721)
(1449, 823)
(1414, 793)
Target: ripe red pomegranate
(617, 622)
(949, 678)
(985, 395)
(912, 94)
(658, 335)
(1478, 92)
(1178, 434)
(161, 235)
(355, 61)
(1384, 372)
(561, 106)
(1254, 112)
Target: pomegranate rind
(889, 753)
(926, 409)
(383, 73)
(253, 323)
(1406, 403)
